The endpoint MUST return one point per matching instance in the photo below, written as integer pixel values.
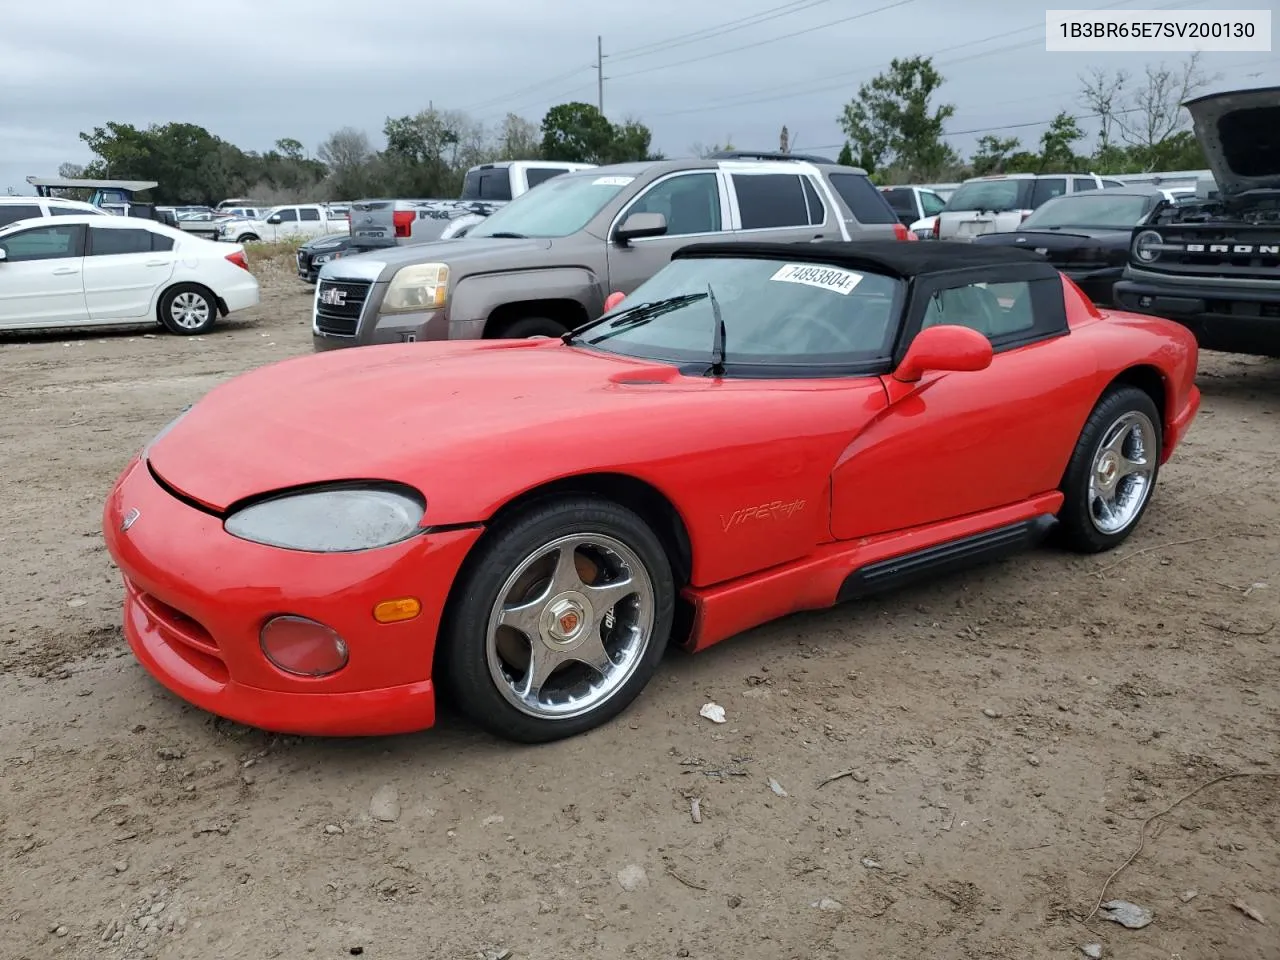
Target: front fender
(476, 297)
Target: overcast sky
(252, 71)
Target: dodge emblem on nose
(130, 519)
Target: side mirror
(640, 225)
(275, 219)
(610, 302)
(946, 347)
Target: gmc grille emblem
(1263, 248)
(333, 296)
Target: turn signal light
(303, 647)
(395, 611)
(238, 259)
(403, 220)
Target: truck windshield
(558, 208)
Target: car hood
(382, 264)
(1238, 132)
(1051, 239)
(456, 418)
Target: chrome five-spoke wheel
(570, 625)
(1122, 474)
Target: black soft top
(895, 258)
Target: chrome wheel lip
(189, 310)
(563, 641)
(1122, 472)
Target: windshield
(995, 196)
(776, 313)
(1101, 211)
(558, 208)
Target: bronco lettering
(775, 510)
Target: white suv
(13, 209)
(999, 204)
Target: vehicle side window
(995, 310)
(770, 200)
(691, 203)
(494, 185)
(1111, 183)
(310, 214)
(57, 210)
(288, 215)
(106, 242)
(902, 200)
(817, 209)
(1047, 188)
(536, 175)
(13, 212)
(1083, 183)
(160, 243)
(44, 243)
(865, 202)
(931, 203)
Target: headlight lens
(332, 519)
(1145, 246)
(422, 286)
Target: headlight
(1146, 244)
(336, 519)
(323, 258)
(422, 286)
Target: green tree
(631, 141)
(290, 149)
(891, 122)
(1057, 142)
(577, 133)
(993, 154)
(846, 155)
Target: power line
(527, 88)
(707, 33)
(749, 98)
(761, 43)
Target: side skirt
(945, 558)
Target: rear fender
(477, 297)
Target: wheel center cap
(566, 619)
(1108, 468)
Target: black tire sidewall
(527, 327)
(166, 305)
(1077, 529)
(461, 660)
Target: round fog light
(303, 647)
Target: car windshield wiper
(718, 337)
(507, 235)
(633, 316)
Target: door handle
(65, 271)
(817, 237)
(157, 263)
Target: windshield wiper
(718, 337)
(634, 316)
(507, 235)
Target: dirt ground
(1008, 732)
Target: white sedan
(80, 271)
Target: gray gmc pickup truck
(544, 263)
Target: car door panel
(954, 444)
(42, 280)
(123, 285)
(696, 207)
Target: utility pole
(600, 74)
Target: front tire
(559, 620)
(1112, 472)
(187, 309)
(248, 238)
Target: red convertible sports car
(321, 545)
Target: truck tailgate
(373, 220)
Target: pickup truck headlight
(332, 519)
(423, 286)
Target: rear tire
(527, 327)
(1112, 473)
(187, 309)
(248, 238)
(566, 584)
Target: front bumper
(1232, 317)
(196, 599)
